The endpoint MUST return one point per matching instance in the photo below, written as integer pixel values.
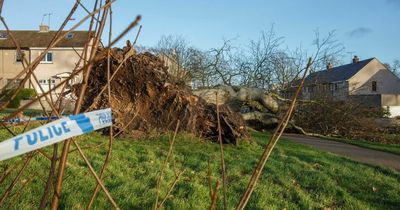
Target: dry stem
(271, 144)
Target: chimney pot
(329, 66)
(43, 28)
(356, 59)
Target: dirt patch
(143, 87)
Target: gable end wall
(361, 83)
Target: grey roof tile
(28, 39)
(336, 74)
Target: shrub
(27, 94)
(23, 94)
(340, 118)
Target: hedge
(24, 94)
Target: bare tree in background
(175, 46)
(220, 65)
(178, 50)
(394, 67)
(328, 50)
(262, 64)
(207, 68)
(198, 68)
(287, 66)
(259, 69)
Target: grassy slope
(392, 148)
(27, 112)
(296, 177)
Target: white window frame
(47, 81)
(14, 84)
(374, 86)
(44, 60)
(69, 36)
(43, 82)
(16, 56)
(3, 35)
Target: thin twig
(137, 35)
(27, 124)
(10, 169)
(87, 11)
(126, 57)
(37, 61)
(50, 177)
(127, 125)
(171, 188)
(111, 137)
(1, 6)
(32, 66)
(77, 108)
(171, 145)
(14, 182)
(215, 196)
(221, 146)
(209, 173)
(98, 180)
(271, 144)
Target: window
(48, 58)
(3, 35)
(70, 36)
(336, 86)
(45, 81)
(17, 81)
(13, 84)
(42, 81)
(19, 56)
(374, 86)
(331, 87)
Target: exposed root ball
(143, 86)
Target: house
(175, 69)
(368, 82)
(56, 65)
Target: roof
(336, 74)
(28, 39)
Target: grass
(295, 177)
(391, 148)
(27, 112)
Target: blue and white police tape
(19, 120)
(55, 132)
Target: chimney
(356, 59)
(43, 28)
(329, 66)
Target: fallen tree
(145, 98)
(237, 97)
(259, 109)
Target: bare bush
(347, 119)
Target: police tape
(20, 120)
(55, 132)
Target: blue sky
(368, 28)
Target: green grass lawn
(295, 177)
(392, 148)
(27, 112)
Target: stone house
(368, 82)
(175, 69)
(55, 66)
